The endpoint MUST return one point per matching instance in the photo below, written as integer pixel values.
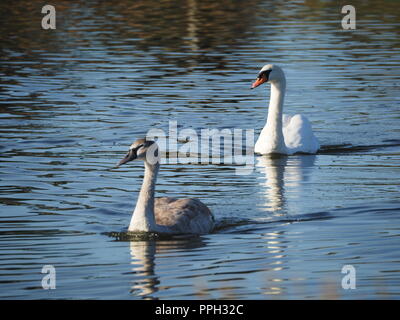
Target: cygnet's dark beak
(131, 155)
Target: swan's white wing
(298, 134)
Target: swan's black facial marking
(131, 155)
(135, 151)
(265, 74)
(138, 147)
(262, 77)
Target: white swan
(282, 134)
(163, 215)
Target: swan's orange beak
(258, 82)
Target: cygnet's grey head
(142, 149)
(269, 73)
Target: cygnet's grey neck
(143, 218)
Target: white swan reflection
(283, 175)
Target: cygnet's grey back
(184, 215)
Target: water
(73, 99)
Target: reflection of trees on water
(178, 33)
(165, 34)
(185, 26)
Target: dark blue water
(73, 99)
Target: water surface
(73, 99)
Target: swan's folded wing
(298, 134)
(184, 215)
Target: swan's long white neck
(273, 127)
(143, 216)
(293, 135)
